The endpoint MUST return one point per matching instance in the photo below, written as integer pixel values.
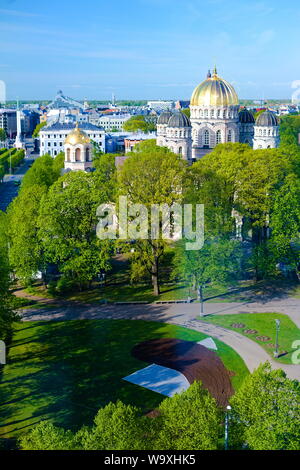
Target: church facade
(215, 118)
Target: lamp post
(276, 352)
(228, 408)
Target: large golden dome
(77, 136)
(214, 91)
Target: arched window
(87, 155)
(212, 113)
(269, 132)
(224, 114)
(180, 150)
(219, 113)
(229, 137)
(265, 132)
(218, 137)
(206, 113)
(68, 155)
(77, 155)
(206, 138)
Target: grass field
(66, 371)
(264, 323)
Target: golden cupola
(214, 91)
(77, 136)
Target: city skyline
(149, 49)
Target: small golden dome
(214, 91)
(77, 136)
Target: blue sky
(147, 49)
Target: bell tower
(78, 151)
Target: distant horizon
(133, 99)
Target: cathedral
(216, 118)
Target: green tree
(38, 128)
(116, 427)
(217, 262)
(139, 123)
(266, 411)
(58, 163)
(3, 135)
(189, 421)
(106, 175)
(7, 314)
(46, 436)
(67, 227)
(152, 175)
(42, 173)
(26, 254)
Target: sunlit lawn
(264, 323)
(66, 371)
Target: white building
(215, 119)
(160, 105)
(52, 137)
(266, 131)
(113, 121)
(78, 150)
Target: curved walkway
(179, 314)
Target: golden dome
(77, 136)
(214, 91)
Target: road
(8, 189)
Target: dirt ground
(193, 360)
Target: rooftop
(59, 126)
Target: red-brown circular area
(237, 325)
(193, 360)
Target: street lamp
(228, 409)
(276, 352)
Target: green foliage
(38, 128)
(3, 135)
(42, 173)
(262, 186)
(106, 175)
(152, 175)
(7, 314)
(139, 123)
(58, 163)
(26, 253)
(2, 173)
(190, 421)
(218, 261)
(46, 436)
(11, 158)
(266, 411)
(117, 427)
(67, 227)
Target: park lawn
(264, 323)
(66, 371)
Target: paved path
(8, 189)
(179, 314)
